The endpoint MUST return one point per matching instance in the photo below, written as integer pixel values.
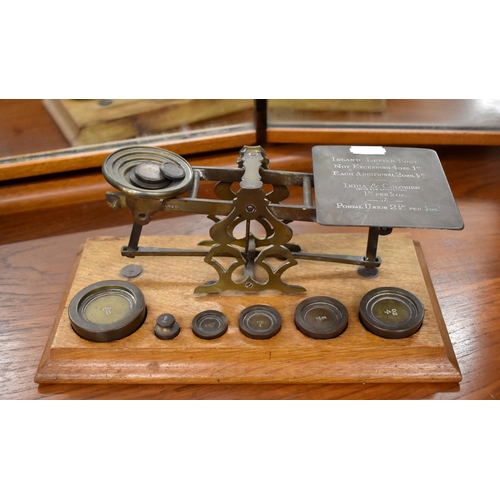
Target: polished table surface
(39, 248)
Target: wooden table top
(39, 248)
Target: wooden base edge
(287, 369)
(448, 347)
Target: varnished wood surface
(26, 127)
(458, 114)
(168, 286)
(387, 136)
(39, 250)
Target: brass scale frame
(249, 203)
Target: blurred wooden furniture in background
(96, 121)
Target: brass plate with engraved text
(395, 187)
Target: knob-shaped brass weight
(166, 327)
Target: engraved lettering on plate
(405, 187)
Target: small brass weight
(151, 179)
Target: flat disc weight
(259, 322)
(209, 325)
(391, 313)
(321, 317)
(107, 311)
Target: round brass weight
(259, 322)
(321, 317)
(166, 327)
(107, 310)
(209, 325)
(391, 313)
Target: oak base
(289, 357)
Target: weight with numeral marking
(259, 322)
(391, 313)
(321, 317)
(107, 310)
(209, 325)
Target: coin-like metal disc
(107, 310)
(259, 322)
(391, 313)
(147, 175)
(321, 317)
(209, 325)
(172, 171)
(131, 271)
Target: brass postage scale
(253, 303)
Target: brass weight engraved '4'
(250, 203)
